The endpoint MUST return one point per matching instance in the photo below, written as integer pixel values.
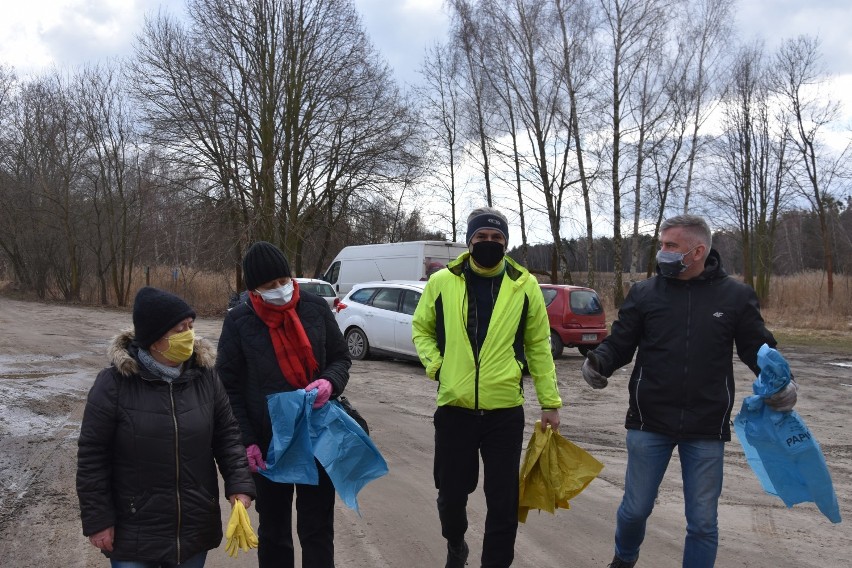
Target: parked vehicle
(410, 260)
(319, 287)
(375, 318)
(576, 315)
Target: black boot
(457, 555)
(619, 563)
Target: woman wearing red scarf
(280, 339)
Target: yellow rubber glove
(239, 534)
(245, 526)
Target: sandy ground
(49, 355)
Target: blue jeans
(196, 561)
(701, 461)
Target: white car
(375, 318)
(320, 288)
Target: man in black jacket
(684, 323)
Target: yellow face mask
(180, 346)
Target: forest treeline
(278, 120)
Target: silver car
(375, 318)
(320, 288)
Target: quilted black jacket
(145, 462)
(685, 331)
(250, 372)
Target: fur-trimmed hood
(119, 353)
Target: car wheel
(357, 344)
(556, 345)
(584, 349)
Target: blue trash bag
(301, 433)
(290, 456)
(782, 452)
(346, 452)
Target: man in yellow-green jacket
(478, 322)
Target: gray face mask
(671, 263)
(278, 296)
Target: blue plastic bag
(301, 433)
(290, 456)
(782, 452)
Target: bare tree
(578, 61)
(48, 218)
(753, 171)
(799, 75)
(708, 32)
(468, 42)
(286, 103)
(632, 26)
(109, 126)
(441, 116)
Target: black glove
(591, 373)
(785, 399)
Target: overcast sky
(36, 33)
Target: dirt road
(49, 355)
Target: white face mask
(278, 296)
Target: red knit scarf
(292, 347)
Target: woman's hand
(103, 539)
(245, 499)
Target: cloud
(38, 33)
(779, 20)
(401, 30)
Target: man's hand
(785, 399)
(591, 373)
(550, 417)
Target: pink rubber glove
(255, 458)
(323, 388)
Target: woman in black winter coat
(157, 423)
(279, 340)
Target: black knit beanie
(155, 312)
(264, 262)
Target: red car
(576, 317)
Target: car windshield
(585, 302)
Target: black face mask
(487, 254)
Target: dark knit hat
(155, 312)
(487, 220)
(264, 262)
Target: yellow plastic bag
(553, 472)
(239, 534)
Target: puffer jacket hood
(122, 351)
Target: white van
(411, 260)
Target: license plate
(590, 336)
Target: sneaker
(619, 563)
(457, 555)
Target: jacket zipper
(686, 359)
(476, 358)
(177, 470)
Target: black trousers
(461, 436)
(314, 522)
